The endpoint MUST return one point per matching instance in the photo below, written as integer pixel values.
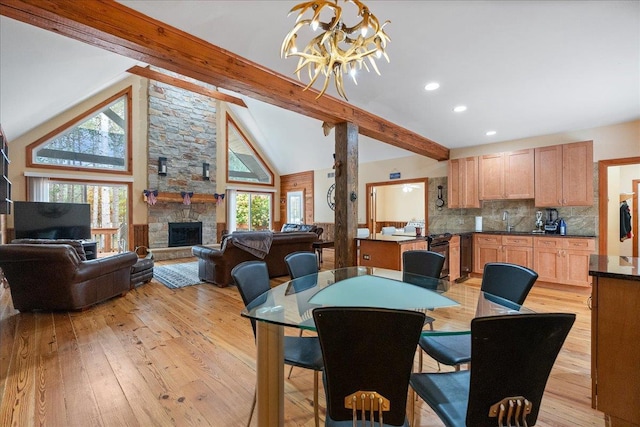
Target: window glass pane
(253, 211)
(244, 164)
(97, 142)
(108, 205)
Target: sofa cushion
(75, 244)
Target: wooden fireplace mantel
(177, 198)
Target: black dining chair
(367, 351)
(418, 264)
(301, 263)
(512, 359)
(252, 280)
(509, 282)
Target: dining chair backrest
(510, 281)
(367, 349)
(421, 263)
(513, 356)
(252, 280)
(301, 263)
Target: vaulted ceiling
(522, 68)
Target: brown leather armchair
(54, 277)
(215, 265)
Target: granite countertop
(520, 233)
(617, 267)
(378, 237)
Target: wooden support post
(346, 213)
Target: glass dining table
(451, 306)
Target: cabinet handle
(589, 302)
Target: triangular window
(98, 139)
(243, 162)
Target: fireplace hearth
(185, 234)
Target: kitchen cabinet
(462, 188)
(386, 251)
(506, 175)
(564, 175)
(514, 249)
(454, 258)
(615, 339)
(563, 259)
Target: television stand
(90, 248)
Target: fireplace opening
(185, 234)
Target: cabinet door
(454, 186)
(519, 171)
(454, 258)
(576, 267)
(491, 176)
(577, 181)
(518, 250)
(486, 248)
(547, 259)
(548, 176)
(469, 182)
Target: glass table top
(451, 305)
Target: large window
(250, 211)
(243, 162)
(108, 206)
(98, 139)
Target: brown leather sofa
(53, 276)
(215, 265)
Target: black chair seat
(449, 350)
(453, 386)
(303, 352)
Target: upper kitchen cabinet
(506, 175)
(564, 175)
(462, 185)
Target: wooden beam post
(346, 213)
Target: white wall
(399, 205)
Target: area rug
(177, 275)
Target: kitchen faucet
(505, 217)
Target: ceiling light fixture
(490, 133)
(460, 108)
(339, 49)
(432, 86)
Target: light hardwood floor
(162, 357)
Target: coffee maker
(551, 225)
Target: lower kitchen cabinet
(563, 259)
(454, 257)
(514, 249)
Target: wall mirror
(395, 203)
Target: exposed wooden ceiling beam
(119, 29)
(183, 84)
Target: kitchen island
(615, 338)
(385, 251)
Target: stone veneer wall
(581, 220)
(182, 128)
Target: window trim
(228, 119)
(78, 119)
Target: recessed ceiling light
(490, 133)
(460, 108)
(432, 86)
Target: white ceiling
(523, 68)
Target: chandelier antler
(339, 49)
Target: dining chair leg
(414, 397)
(315, 398)
(253, 407)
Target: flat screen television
(47, 220)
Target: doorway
(394, 203)
(603, 205)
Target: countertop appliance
(551, 225)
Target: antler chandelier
(339, 49)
